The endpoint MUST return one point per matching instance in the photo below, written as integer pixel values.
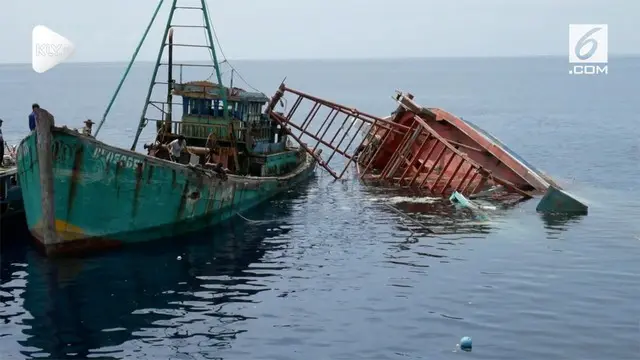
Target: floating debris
(460, 200)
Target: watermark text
(48, 49)
(588, 49)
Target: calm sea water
(330, 270)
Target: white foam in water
(488, 207)
(407, 199)
(413, 200)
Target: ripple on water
(335, 270)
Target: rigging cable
(225, 60)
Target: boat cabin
(246, 142)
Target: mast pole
(153, 77)
(223, 92)
(169, 84)
(126, 72)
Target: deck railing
(220, 131)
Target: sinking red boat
(424, 148)
(444, 153)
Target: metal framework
(166, 42)
(327, 134)
(410, 155)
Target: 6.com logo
(588, 49)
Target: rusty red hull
(478, 144)
(425, 148)
(440, 168)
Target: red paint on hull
(429, 149)
(480, 148)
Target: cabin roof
(209, 90)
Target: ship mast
(167, 124)
(167, 41)
(126, 72)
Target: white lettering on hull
(125, 161)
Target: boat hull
(478, 146)
(11, 208)
(106, 196)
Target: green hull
(106, 196)
(556, 200)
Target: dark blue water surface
(331, 270)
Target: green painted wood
(279, 163)
(559, 201)
(458, 198)
(115, 194)
(220, 127)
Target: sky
(109, 30)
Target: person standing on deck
(1, 146)
(32, 117)
(176, 147)
(86, 130)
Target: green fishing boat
(81, 193)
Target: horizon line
(340, 59)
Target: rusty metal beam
(475, 174)
(444, 170)
(294, 108)
(464, 178)
(406, 102)
(370, 118)
(315, 138)
(424, 162)
(402, 153)
(312, 153)
(433, 167)
(364, 138)
(310, 115)
(455, 172)
(414, 158)
(327, 129)
(375, 154)
(395, 155)
(408, 153)
(343, 137)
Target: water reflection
(434, 216)
(430, 230)
(555, 224)
(174, 293)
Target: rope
(409, 218)
(257, 221)
(126, 72)
(225, 60)
(248, 220)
